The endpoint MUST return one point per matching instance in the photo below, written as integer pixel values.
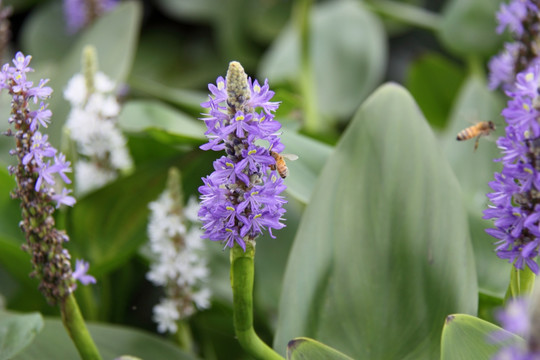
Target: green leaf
(467, 337)
(346, 68)
(305, 348)
(44, 34)
(468, 27)
(17, 331)
(474, 170)
(434, 80)
(162, 122)
(384, 232)
(112, 341)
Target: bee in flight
(483, 128)
(280, 165)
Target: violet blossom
(520, 18)
(40, 172)
(241, 197)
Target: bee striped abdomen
(467, 134)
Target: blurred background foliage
(389, 166)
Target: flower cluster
(177, 264)
(515, 318)
(81, 13)
(516, 198)
(521, 18)
(39, 169)
(92, 125)
(240, 198)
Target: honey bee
(483, 128)
(280, 165)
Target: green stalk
(312, 122)
(183, 336)
(76, 328)
(521, 283)
(407, 14)
(242, 274)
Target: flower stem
(521, 283)
(242, 274)
(77, 330)
(407, 14)
(312, 122)
(183, 336)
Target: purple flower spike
(40, 166)
(241, 198)
(515, 195)
(521, 19)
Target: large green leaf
(111, 340)
(305, 348)
(348, 53)
(474, 169)
(44, 34)
(17, 331)
(382, 254)
(468, 27)
(467, 337)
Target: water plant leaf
(305, 348)
(468, 337)
(383, 248)
(112, 341)
(347, 68)
(17, 331)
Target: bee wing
(291, 157)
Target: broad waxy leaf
(112, 341)
(474, 170)
(44, 34)
(468, 27)
(382, 251)
(17, 331)
(347, 68)
(305, 348)
(467, 337)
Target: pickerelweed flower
(40, 169)
(241, 197)
(92, 125)
(516, 198)
(515, 318)
(177, 261)
(81, 13)
(521, 19)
